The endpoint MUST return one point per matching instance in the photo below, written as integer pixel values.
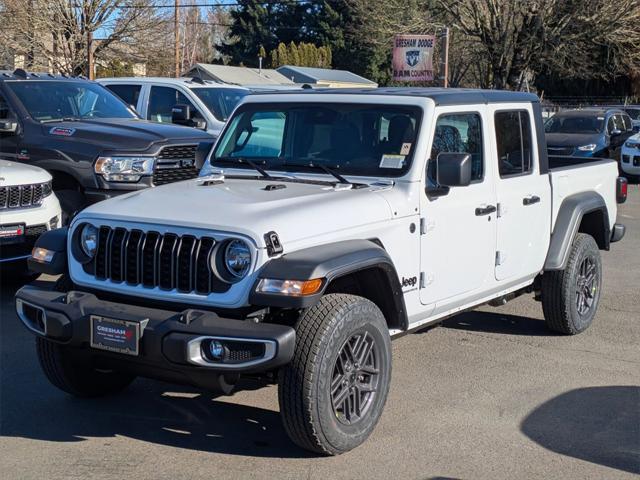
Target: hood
(572, 139)
(12, 173)
(130, 135)
(243, 206)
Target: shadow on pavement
(150, 411)
(477, 321)
(596, 424)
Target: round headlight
(237, 258)
(89, 240)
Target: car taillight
(621, 189)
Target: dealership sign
(413, 58)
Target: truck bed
(571, 175)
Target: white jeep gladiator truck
(324, 224)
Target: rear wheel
(334, 390)
(570, 297)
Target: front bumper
(169, 347)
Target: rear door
(458, 229)
(523, 194)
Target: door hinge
(425, 279)
(501, 211)
(500, 258)
(426, 225)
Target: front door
(459, 228)
(523, 195)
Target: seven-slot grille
(20, 196)
(152, 259)
(175, 163)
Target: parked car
(28, 208)
(593, 132)
(326, 223)
(92, 143)
(192, 102)
(634, 112)
(630, 163)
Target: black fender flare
(54, 241)
(329, 262)
(572, 210)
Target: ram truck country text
(323, 224)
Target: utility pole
(90, 68)
(445, 58)
(176, 26)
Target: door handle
(485, 210)
(530, 200)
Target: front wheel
(334, 390)
(65, 369)
(570, 297)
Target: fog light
(216, 351)
(53, 223)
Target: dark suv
(593, 132)
(92, 143)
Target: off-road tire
(560, 289)
(74, 374)
(304, 386)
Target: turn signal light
(294, 288)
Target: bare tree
(500, 43)
(60, 34)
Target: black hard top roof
(20, 74)
(441, 96)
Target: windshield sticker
(406, 147)
(392, 161)
(62, 132)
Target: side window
(513, 139)
(5, 110)
(162, 100)
(628, 126)
(128, 93)
(612, 124)
(459, 133)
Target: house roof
(238, 75)
(326, 75)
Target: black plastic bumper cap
(618, 232)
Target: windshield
(574, 124)
(220, 101)
(365, 140)
(51, 100)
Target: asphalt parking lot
(488, 394)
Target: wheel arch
(584, 212)
(358, 267)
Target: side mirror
(202, 152)
(198, 123)
(181, 114)
(8, 126)
(452, 169)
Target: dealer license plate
(122, 336)
(11, 232)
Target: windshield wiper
(62, 119)
(243, 160)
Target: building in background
(238, 75)
(325, 77)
